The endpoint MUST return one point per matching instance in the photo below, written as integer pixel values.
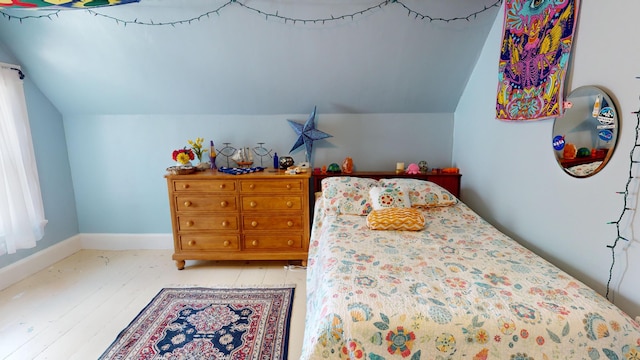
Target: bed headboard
(451, 182)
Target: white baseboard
(30, 265)
(127, 241)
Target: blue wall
(512, 177)
(53, 168)
(105, 173)
(118, 162)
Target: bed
(456, 288)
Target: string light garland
(625, 209)
(268, 15)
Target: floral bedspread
(584, 169)
(459, 289)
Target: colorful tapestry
(62, 3)
(202, 323)
(536, 45)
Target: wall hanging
(536, 44)
(78, 4)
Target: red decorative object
(183, 159)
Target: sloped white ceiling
(238, 61)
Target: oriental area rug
(204, 323)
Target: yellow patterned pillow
(396, 219)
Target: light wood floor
(76, 308)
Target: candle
(399, 167)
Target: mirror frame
(590, 119)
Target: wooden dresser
(256, 216)
(451, 182)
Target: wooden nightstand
(256, 216)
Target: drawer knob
(253, 204)
(289, 204)
(223, 204)
(191, 242)
(252, 186)
(189, 223)
(254, 243)
(222, 186)
(254, 223)
(288, 186)
(185, 186)
(289, 223)
(225, 223)
(187, 203)
(226, 243)
(290, 242)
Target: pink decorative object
(413, 169)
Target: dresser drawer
(218, 242)
(250, 203)
(276, 241)
(207, 222)
(270, 186)
(206, 203)
(204, 185)
(293, 222)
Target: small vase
(181, 164)
(285, 162)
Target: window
(21, 212)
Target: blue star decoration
(307, 133)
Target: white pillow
(389, 197)
(347, 195)
(423, 193)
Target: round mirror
(585, 136)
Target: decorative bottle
(596, 107)
(276, 163)
(212, 156)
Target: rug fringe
(232, 286)
(294, 267)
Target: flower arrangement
(196, 146)
(183, 156)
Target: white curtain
(21, 212)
